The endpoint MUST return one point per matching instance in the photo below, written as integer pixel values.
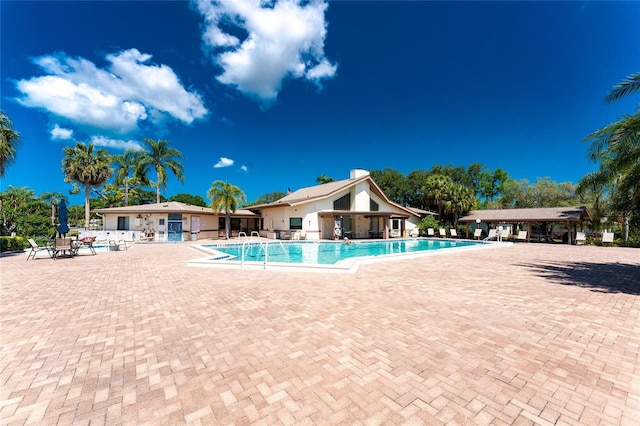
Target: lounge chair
(430, 232)
(493, 235)
(415, 232)
(442, 232)
(581, 238)
(477, 233)
(453, 233)
(607, 238)
(35, 248)
(522, 236)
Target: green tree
(457, 200)
(616, 148)
(491, 183)
(225, 197)
(9, 139)
(324, 179)
(435, 189)
(267, 198)
(125, 164)
(159, 156)
(393, 184)
(194, 200)
(86, 167)
(24, 213)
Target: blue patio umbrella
(63, 216)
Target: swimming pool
(325, 254)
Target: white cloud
(115, 99)
(60, 133)
(115, 143)
(244, 168)
(284, 39)
(224, 162)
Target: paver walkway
(527, 334)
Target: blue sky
(271, 97)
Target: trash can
(194, 236)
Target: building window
(123, 223)
(343, 203)
(395, 224)
(373, 206)
(295, 223)
(161, 222)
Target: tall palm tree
(435, 187)
(227, 197)
(89, 168)
(125, 163)
(457, 200)
(158, 155)
(616, 148)
(8, 142)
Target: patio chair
(415, 232)
(430, 232)
(63, 245)
(35, 248)
(442, 232)
(453, 232)
(607, 238)
(581, 238)
(477, 233)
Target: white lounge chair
(443, 233)
(477, 233)
(581, 238)
(430, 232)
(453, 233)
(522, 236)
(415, 232)
(493, 235)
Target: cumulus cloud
(224, 162)
(128, 92)
(284, 39)
(244, 168)
(115, 143)
(59, 133)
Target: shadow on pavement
(603, 277)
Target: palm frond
(628, 85)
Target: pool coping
(349, 265)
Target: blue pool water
(326, 252)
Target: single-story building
(506, 218)
(170, 221)
(351, 208)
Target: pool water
(326, 252)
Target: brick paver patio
(526, 334)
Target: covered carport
(569, 216)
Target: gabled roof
(545, 214)
(326, 190)
(168, 207)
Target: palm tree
(457, 200)
(125, 163)
(8, 141)
(227, 197)
(616, 148)
(159, 156)
(435, 187)
(89, 168)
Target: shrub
(12, 244)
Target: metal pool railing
(264, 246)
